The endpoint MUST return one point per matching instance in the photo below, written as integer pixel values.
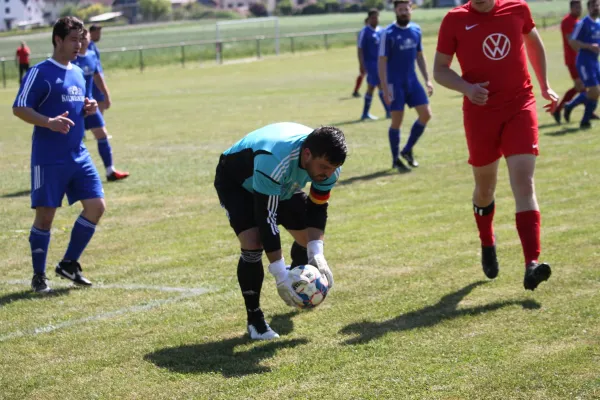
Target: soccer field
(411, 316)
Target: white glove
(317, 259)
(284, 287)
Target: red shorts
(493, 134)
(573, 71)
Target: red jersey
(23, 55)
(490, 48)
(567, 25)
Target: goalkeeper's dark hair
(64, 26)
(328, 142)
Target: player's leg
(368, 100)
(483, 131)
(84, 186)
(239, 207)
(48, 184)
(417, 99)
(357, 85)
(588, 78)
(397, 113)
(572, 92)
(590, 105)
(95, 123)
(388, 112)
(292, 216)
(520, 147)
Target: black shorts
(239, 206)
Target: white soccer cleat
(268, 333)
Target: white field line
(186, 293)
(115, 286)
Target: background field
(114, 39)
(411, 315)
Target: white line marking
(117, 286)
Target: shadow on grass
(20, 193)
(221, 356)
(30, 295)
(366, 177)
(445, 309)
(562, 131)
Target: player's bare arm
(382, 69)
(579, 45)
(361, 61)
(537, 56)
(101, 84)
(447, 77)
(90, 106)
(422, 64)
(60, 123)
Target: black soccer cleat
(400, 167)
(355, 94)
(568, 113)
(585, 125)
(408, 156)
(39, 284)
(71, 270)
(258, 329)
(556, 115)
(489, 261)
(535, 274)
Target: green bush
(153, 10)
(258, 10)
(368, 4)
(316, 8)
(92, 10)
(331, 6)
(352, 8)
(284, 7)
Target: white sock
(110, 170)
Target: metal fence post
(257, 47)
(219, 52)
(3, 73)
(326, 42)
(292, 44)
(141, 59)
(183, 54)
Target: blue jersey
(268, 159)
(92, 46)
(400, 45)
(368, 41)
(587, 31)
(90, 66)
(51, 89)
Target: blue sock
(394, 135)
(387, 108)
(39, 240)
(367, 107)
(82, 233)
(415, 134)
(105, 152)
(590, 107)
(580, 99)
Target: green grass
(410, 316)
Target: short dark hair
(372, 11)
(328, 142)
(396, 2)
(64, 26)
(574, 2)
(95, 27)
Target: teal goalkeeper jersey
(268, 161)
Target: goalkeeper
(259, 181)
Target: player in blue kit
(259, 181)
(88, 61)
(586, 41)
(52, 98)
(368, 50)
(399, 49)
(101, 96)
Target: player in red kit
(489, 38)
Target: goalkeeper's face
(318, 168)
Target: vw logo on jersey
(496, 46)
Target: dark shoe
(535, 274)
(489, 261)
(71, 270)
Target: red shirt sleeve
(446, 37)
(528, 23)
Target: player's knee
(94, 210)
(594, 92)
(425, 117)
(251, 256)
(524, 188)
(484, 194)
(299, 255)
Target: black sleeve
(265, 213)
(316, 215)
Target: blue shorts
(409, 93)
(589, 72)
(97, 93)
(372, 74)
(94, 121)
(79, 181)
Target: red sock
(484, 217)
(359, 80)
(567, 98)
(528, 226)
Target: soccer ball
(309, 284)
